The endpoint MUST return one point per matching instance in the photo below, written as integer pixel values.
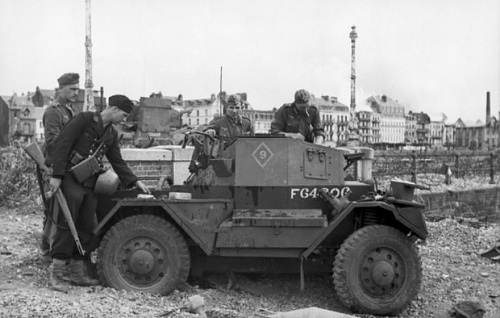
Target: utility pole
(89, 96)
(221, 108)
(353, 137)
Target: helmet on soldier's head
(107, 182)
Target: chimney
(326, 98)
(384, 98)
(488, 110)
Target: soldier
(54, 118)
(231, 125)
(60, 111)
(299, 120)
(86, 133)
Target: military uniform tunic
(289, 120)
(228, 128)
(82, 135)
(58, 114)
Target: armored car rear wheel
(143, 253)
(377, 271)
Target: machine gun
(33, 150)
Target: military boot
(57, 273)
(79, 275)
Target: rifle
(33, 150)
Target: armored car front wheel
(377, 271)
(143, 253)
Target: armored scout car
(270, 204)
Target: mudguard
(409, 214)
(198, 218)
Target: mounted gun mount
(270, 205)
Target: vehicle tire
(377, 270)
(143, 253)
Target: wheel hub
(141, 262)
(382, 273)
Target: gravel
(453, 271)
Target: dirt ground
(452, 267)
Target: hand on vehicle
(142, 187)
(211, 132)
(319, 140)
(296, 136)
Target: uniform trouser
(49, 228)
(82, 204)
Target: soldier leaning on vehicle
(232, 124)
(299, 120)
(58, 114)
(80, 138)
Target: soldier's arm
(278, 123)
(317, 125)
(127, 177)
(251, 129)
(213, 126)
(52, 123)
(318, 130)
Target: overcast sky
(430, 55)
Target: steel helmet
(107, 182)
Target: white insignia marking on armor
(262, 154)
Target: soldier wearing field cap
(59, 112)
(299, 120)
(232, 124)
(87, 133)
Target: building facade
(335, 119)
(392, 119)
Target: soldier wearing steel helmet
(299, 120)
(86, 134)
(232, 124)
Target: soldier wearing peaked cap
(54, 118)
(299, 120)
(232, 124)
(61, 110)
(86, 134)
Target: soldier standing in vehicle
(232, 124)
(299, 120)
(54, 118)
(80, 138)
